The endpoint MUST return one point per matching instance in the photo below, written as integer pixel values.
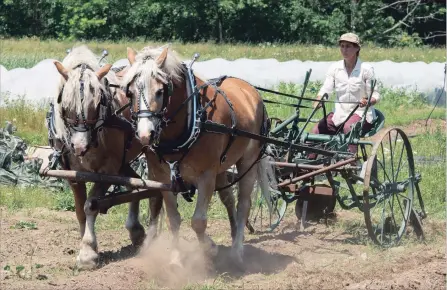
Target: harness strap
(265, 129)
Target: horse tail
(266, 178)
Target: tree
(421, 19)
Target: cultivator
(380, 181)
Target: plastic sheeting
(19, 166)
(41, 82)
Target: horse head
(149, 84)
(84, 94)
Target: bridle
(81, 123)
(135, 108)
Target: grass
(433, 184)
(27, 118)
(27, 52)
(25, 225)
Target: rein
(297, 98)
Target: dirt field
(323, 257)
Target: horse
(91, 138)
(157, 85)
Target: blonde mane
(70, 98)
(145, 66)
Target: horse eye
(159, 93)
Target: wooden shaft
(112, 179)
(306, 166)
(316, 172)
(104, 203)
(294, 165)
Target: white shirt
(351, 88)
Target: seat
(378, 124)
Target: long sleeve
(369, 76)
(328, 85)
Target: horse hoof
(150, 237)
(137, 235)
(237, 261)
(87, 260)
(212, 250)
(210, 247)
(175, 267)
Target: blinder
(103, 110)
(138, 113)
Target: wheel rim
(389, 188)
(260, 218)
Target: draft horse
(89, 137)
(172, 108)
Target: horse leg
(174, 219)
(227, 198)
(205, 185)
(155, 205)
(246, 185)
(88, 254)
(80, 196)
(133, 225)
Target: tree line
(383, 22)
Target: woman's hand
(317, 104)
(364, 102)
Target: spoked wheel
(390, 186)
(260, 219)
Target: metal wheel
(260, 219)
(389, 189)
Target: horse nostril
(152, 132)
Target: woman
(351, 79)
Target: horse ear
(131, 53)
(161, 59)
(61, 69)
(103, 71)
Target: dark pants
(331, 129)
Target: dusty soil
(334, 256)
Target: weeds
(27, 52)
(25, 225)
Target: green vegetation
(403, 23)
(27, 52)
(28, 118)
(25, 225)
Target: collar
(357, 67)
